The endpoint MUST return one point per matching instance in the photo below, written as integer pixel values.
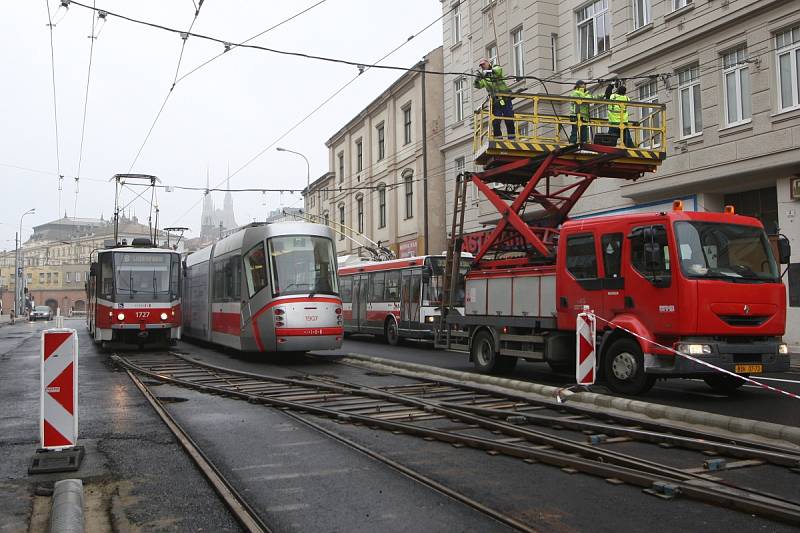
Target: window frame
(641, 9)
(359, 155)
(456, 21)
(360, 213)
(251, 290)
(460, 98)
(689, 87)
(742, 101)
(381, 133)
(491, 53)
(587, 17)
(680, 4)
(518, 51)
(408, 192)
(791, 49)
(406, 124)
(574, 237)
(340, 156)
(341, 221)
(649, 97)
(381, 206)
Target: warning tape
(700, 361)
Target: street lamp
(308, 167)
(19, 269)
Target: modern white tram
(266, 288)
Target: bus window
(392, 286)
(376, 286)
(346, 284)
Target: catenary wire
(55, 103)
(85, 107)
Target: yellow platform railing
(548, 119)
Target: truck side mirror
(784, 250)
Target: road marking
(777, 379)
(318, 473)
(288, 507)
(255, 467)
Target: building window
(641, 13)
(341, 222)
(460, 93)
(381, 141)
(691, 119)
(341, 167)
(41, 277)
(360, 213)
(594, 29)
(554, 52)
(381, 206)
(310, 199)
(459, 165)
(650, 117)
(49, 277)
(736, 77)
(407, 125)
(677, 4)
(491, 53)
(408, 180)
(456, 23)
(359, 156)
(55, 277)
(787, 49)
(68, 277)
(517, 47)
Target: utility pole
(424, 158)
(20, 267)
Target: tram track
(469, 416)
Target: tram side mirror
(784, 250)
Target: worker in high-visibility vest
(618, 115)
(579, 112)
(492, 79)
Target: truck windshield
(434, 288)
(303, 264)
(146, 276)
(725, 251)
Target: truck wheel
(623, 366)
(723, 383)
(392, 333)
(484, 355)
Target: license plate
(749, 369)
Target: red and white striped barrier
(585, 334)
(59, 383)
(700, 361)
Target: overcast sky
(224, 114)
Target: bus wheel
(723, 383)
(392, 333)
(623, 366)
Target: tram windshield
(146, 276)
(434, 287)
(303, 264)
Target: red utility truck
(704, 284)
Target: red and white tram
(266, 288)
(134, 294)
(397, 299)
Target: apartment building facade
(377, 186)
(728, 72)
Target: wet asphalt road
(748, 402)
(297, 478)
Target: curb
(66, 514)
(767, 430)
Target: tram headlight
(430, 319)
(121, 317)
(164, 316)
(783, 349)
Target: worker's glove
(487, 73)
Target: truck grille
(738, 320)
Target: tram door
(410, 285)
(360, 290)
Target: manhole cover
(171, 399)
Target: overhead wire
(92, 38)
(321, 105)
(55, 103)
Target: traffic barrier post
(58, 417)
(586, 335)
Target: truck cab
(704, 284)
